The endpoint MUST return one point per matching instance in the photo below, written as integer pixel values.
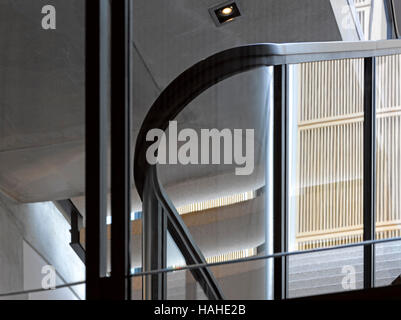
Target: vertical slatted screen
(330, 151)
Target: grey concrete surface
(45, 229)
(42, 77)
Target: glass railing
(315, 108)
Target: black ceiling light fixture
(225, 12)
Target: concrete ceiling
(42, 84)
(41, 101)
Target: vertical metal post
(96, 156)
(267, 191)
(154, 242)
(369, 170)
(395, 9)
(391, 28)
(120, 151)
(280, 189)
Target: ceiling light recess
(225, 12)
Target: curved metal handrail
(182, 237)
(172, 100)
(187, 87)
(204, 75)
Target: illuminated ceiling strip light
(217, 203)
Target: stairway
(321, 273)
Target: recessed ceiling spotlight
(225, 12)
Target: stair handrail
(206, 73)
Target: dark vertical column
(120, 151)
(369, 170)
(96, 156)
(280, 163)
(154, 240)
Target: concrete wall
(46, 231)
(33, 277)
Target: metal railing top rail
(225, 64)
(277, 255)
(216, 264)
(206, 73)
(304, 51)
